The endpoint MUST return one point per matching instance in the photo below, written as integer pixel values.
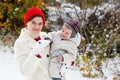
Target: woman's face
(66, 33)
(35, 25)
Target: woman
(32, 58)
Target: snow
(8, 67)
(10, 71)
(71, 9)
(109, 71)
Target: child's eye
(66, 33)
(62, 30)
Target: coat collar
(26, 37)
(25, 31)
(76, 39)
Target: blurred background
(100, 26)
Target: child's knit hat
(74, 25)
(33, 12)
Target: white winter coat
(30, 66)
(71, 51)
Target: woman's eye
(40, 23)
(33, 22)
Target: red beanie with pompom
(33, 12)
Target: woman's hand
(39, 46)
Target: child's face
(66, 33)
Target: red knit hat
(74, 24)
(33, 12)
